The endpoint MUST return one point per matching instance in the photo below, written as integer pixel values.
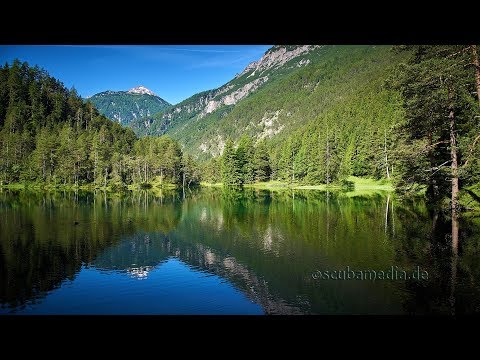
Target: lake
(219, 251)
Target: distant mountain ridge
(125, 106)
(195, 114)
(290, 88)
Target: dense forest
(426, 139)
(50, 136)
(415, 123)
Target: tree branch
(437, 143)
(437, 168)
(458, 52)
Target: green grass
(207, 184)
(14, 186)
(371, 184)
(275, 184)
(364, 185)
(41, 186)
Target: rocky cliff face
(251, 79)
(276, 57)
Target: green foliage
(232, 171)
(124, 107)
(435, 82)
(211, 170)
(261, 163)
(48, 135)
(338, 102)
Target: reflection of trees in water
(46, 236)
(266, 243)
(283, 243)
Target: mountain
(125, 106)
(201, 111)
(290, 88)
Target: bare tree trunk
(7, 163)
(328, 159)
(183, 185)
(453, 154)
(293, 169)
(95, 167)
(476, 63)
(454, 261)
(386, 214)
(433, 182)
(51, 163)
(386, 155)
(145, 171)
(44, 171)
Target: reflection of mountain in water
(142, 253)
(45, 237)
(137, 255)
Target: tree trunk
(145, 171)
(95, 167)
(431, 159)
(386, 155)
(293, 170)
(453, 154)
(454, 262)
(386, 214)
(44, 171)
(328, 160)
(476, 63)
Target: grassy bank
(88, 187)
(358, 184)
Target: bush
(347, 185)
(145, 186)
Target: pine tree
(231, 169)
(261, 162)
(245, 154)
(437, 87)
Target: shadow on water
(267, 244)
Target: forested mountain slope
(299, 99)
(125, 106)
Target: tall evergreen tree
(439, 107)
(231, 166)
(261, 162)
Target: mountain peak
(141, 90)
(277, 56)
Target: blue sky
(174, 72)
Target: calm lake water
(232, 252)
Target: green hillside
(126, 106)
(330, 92)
